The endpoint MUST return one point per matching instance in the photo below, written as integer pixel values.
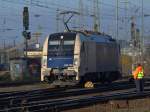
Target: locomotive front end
(60, 59)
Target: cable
(52, 9)
(106, 4)
(49, 7)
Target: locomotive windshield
(61, 44)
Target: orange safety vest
(138, 73)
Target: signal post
(26, 33)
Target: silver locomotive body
(80, 57)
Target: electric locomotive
(71, 58)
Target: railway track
(39, 97)
(40, 91)
(36, 91)
(17, 83)
(70, 103)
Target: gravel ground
(136, 105)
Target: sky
(43, 13)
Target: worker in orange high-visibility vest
(138, 77)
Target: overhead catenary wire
(61, 7)
(38, 5)
(48, 8)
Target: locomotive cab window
(61, 44)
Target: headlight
(75, 61)
(44, 61)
